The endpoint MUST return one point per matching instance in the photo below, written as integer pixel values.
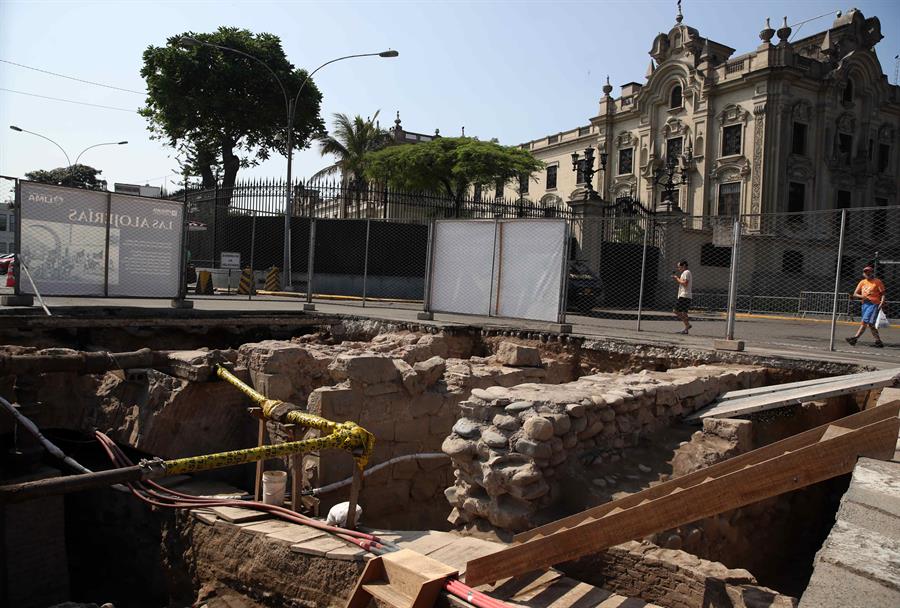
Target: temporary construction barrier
(273, 279)
(246, 286)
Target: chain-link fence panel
(63, 241)
(395, 264)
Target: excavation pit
(524, 443)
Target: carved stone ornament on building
(625, 140)
(800, 168)
(673, 127)
(759, 127)
(846, 123)
(624, 184)
(733, 113)
(730, 168)
(886, 134)
(802, 111)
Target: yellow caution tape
(347, 435)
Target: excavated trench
(419, 389)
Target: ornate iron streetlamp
(671, 175)
(586, 166)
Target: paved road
(764, 336)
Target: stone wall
(674, 579)
(405, 388)
(511, 448)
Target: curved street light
(188, 42)
(109, 143)
(21, 130)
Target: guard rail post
(732, 282)
(310, 260)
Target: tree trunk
(231, 164)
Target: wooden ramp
(749, 401)
(796, 462)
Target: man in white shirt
(683, 304)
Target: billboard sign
(83, 242)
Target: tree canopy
(225, 109)
(351, 140)
(76, 176)
(450, 165)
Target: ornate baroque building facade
(791, 126)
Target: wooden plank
(319, 546)
(737, 463)
(268, 527)
(296, 534)
(465, 549)
(773, 388)
(761, 403)
(239, 516)
(798, 469)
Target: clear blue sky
(511, 70)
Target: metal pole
(643, 275)
(366, 262)
(564, 280)
(182, 273)
(732, 283)
(17, 241)
(429, 263)
(310, 260)
(837, 279)
(252, 258)
(106, 247)
(286, 262)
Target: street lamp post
(69, 163)
(586, 166)
(290, 110)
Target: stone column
(587, 227)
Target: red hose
(156, 495)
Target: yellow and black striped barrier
(273, 279)
(204, 283)
(246, 286)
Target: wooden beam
(761, 403)
(791, 444)
(716, 494)
(774, 388)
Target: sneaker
(879, 344)
(851, 341)
(689, 327)
(683, 332)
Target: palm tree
(350, 141)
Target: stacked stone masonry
(405, 388)
(510, 447)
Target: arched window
(675, 97)
(848, 91)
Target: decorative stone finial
(650, 69)
(437, 132)
(679, 17)
(705, 53)
(397, 120)
(766, 34)
(827, 46)
(607, 88)
(784, 32)
(463, 132)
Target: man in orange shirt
(871, 291)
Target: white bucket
(273, 483)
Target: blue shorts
(869, 313)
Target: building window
(3, 223)
(477, 193)
(675, 100)
(498, 189)
(523, 184)
(880, 220)
(673, 148)
(731, 140)
(796, 197)
(729, 199)
(710, 255)
(798, 140)
(791, 261)
(626, 161)
(845, 147)
(551, 178)
(884, 157)
(848, 91)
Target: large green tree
(226, 109)
(75, 176)
(450, 165)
